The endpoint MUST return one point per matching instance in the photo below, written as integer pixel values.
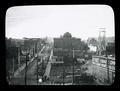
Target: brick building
(65, 45)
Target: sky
(81, 21)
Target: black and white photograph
(60, 45)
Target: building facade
(65, 46)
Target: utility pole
(37, 71)
(36, 47)
(108, 63)
(73, 64)
(33, 52)
(13, 65)
(37, 62)
(19, 57)
(63, 74)
(27, 59)
(104, 43)
(64, 59)
(26, 70)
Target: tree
(110, 48)
(84, 46)
(92, 41)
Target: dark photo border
(10, 3)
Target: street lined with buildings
(66, 61)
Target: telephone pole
(73, 63)
(27, 59)
(19, 57)
(37, 60)
(13, 65)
